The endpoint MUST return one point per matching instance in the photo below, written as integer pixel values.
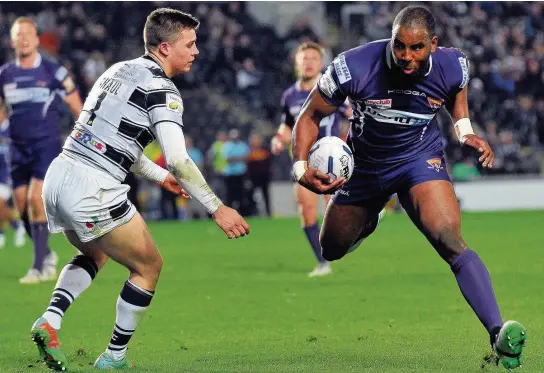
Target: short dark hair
(165, 24)
(415, 16)
(311, 45)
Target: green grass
(247, 306)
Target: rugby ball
(332, 156)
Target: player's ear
(164, 48)
(434, 43)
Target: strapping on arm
(170, 136)
(151, 171)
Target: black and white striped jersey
(119, 115)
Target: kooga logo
(406, 92)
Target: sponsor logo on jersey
(435, 164)
(327, 84)
(398, 116)
(341, 68)
(41, 83)
(435, 103)
(88, 140)
(464, 68)
(174, 103)
(380, 104)
(405, 92)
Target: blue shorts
(32, 160)
(377, 182)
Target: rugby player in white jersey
(131, 104)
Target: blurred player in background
(130, 105)
(396, 87)
(32, 89)
(6, 208)
(308, 64)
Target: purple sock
(475, 284)
(40, 235)
(312, 233)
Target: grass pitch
(247, 305)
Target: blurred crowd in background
(232, 94)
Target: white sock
(132, 304)
(73, 280)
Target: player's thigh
(90, 249)
(131, 245)
(343, 223)
(433, 207)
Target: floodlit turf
(247, 305)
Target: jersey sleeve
(286, 116)
(164, 105)
(336, 84)
(63, 82)
(460, 69)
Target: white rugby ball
(332, 156)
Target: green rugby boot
(508, 343)
(46, 339)
(106, 361)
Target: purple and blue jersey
(291, 103)
(394, 134)
(34, 98)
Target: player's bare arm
(304, 135)
(463, 129)
(73, 100)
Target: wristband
(299, 168)
(463, 128)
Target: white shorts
(5, 191)
(84, 199)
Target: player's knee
(332, 250)
(154, 266)
(36, 203)
(447, 237)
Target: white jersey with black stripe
(119, 115)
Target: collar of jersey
(389, 58)
(37, 63)
(150, 58)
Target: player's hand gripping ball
(332, 156)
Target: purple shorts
(32, 160)
(377, 182)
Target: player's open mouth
(408, 71)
